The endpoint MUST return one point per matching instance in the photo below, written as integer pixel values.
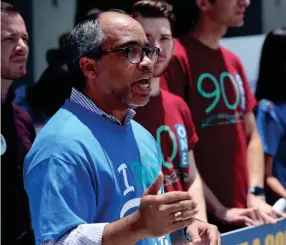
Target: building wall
(273, 14)
(51, 18)
(248, 49)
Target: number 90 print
(219, 90)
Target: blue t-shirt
(271, 123)
(83, 168)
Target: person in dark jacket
(17, 131)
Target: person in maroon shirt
(166, 116)
(212, 81)
(17, 131)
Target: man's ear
(88, 66)
(203, 5)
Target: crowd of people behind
(141, 138)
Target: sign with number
(261, 235)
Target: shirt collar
(84, 101)
(9, 97)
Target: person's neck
(99, 102)
(5, 86)
(118, 114)
(155, 86)
(209, 33)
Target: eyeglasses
(135, 54)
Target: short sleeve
(248, 100)
(189, 124)
(269, 127)
(61, 197)
(25, 126)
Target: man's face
(229, 13)
(14, 46)
(159, 34)
(122, 84)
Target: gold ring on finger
(178, 216)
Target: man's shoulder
(138, 128)
(65, 124)
(179, 49)
(230, 55)
(173, 100)
(21, 114)
(64, 137)
(24, 122)
(141, 134)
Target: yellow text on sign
(278, 239)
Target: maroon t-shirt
(17, 135)
(167, 117)
(214, 85)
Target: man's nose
(157, 45)
(244, 3)
(146, 63)
(22, 46)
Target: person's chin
(18, 73)
(139, 102)
(158, 72)
(237, 23)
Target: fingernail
(197, 240)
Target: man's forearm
(255, 161)
(196, 190)
(123, 231)
(255, 156)
(215, 207)
(275, 186)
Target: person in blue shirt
(93, 175)
(271, 112)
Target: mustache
(148, 71)
(162, 56)
(147, 74)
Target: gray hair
(86, 39)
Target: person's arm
(255, 158)
(154, 217)
(122, 231)
(271, 131)
(196, 188)
(84, 234)
(214, 206)
(271, 181)
(256, 172)
(237, 216)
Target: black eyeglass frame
(126, 51)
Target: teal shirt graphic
(179, 152)
(168, 118)
(167, 164)
(219, 93)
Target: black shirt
(17, 136)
